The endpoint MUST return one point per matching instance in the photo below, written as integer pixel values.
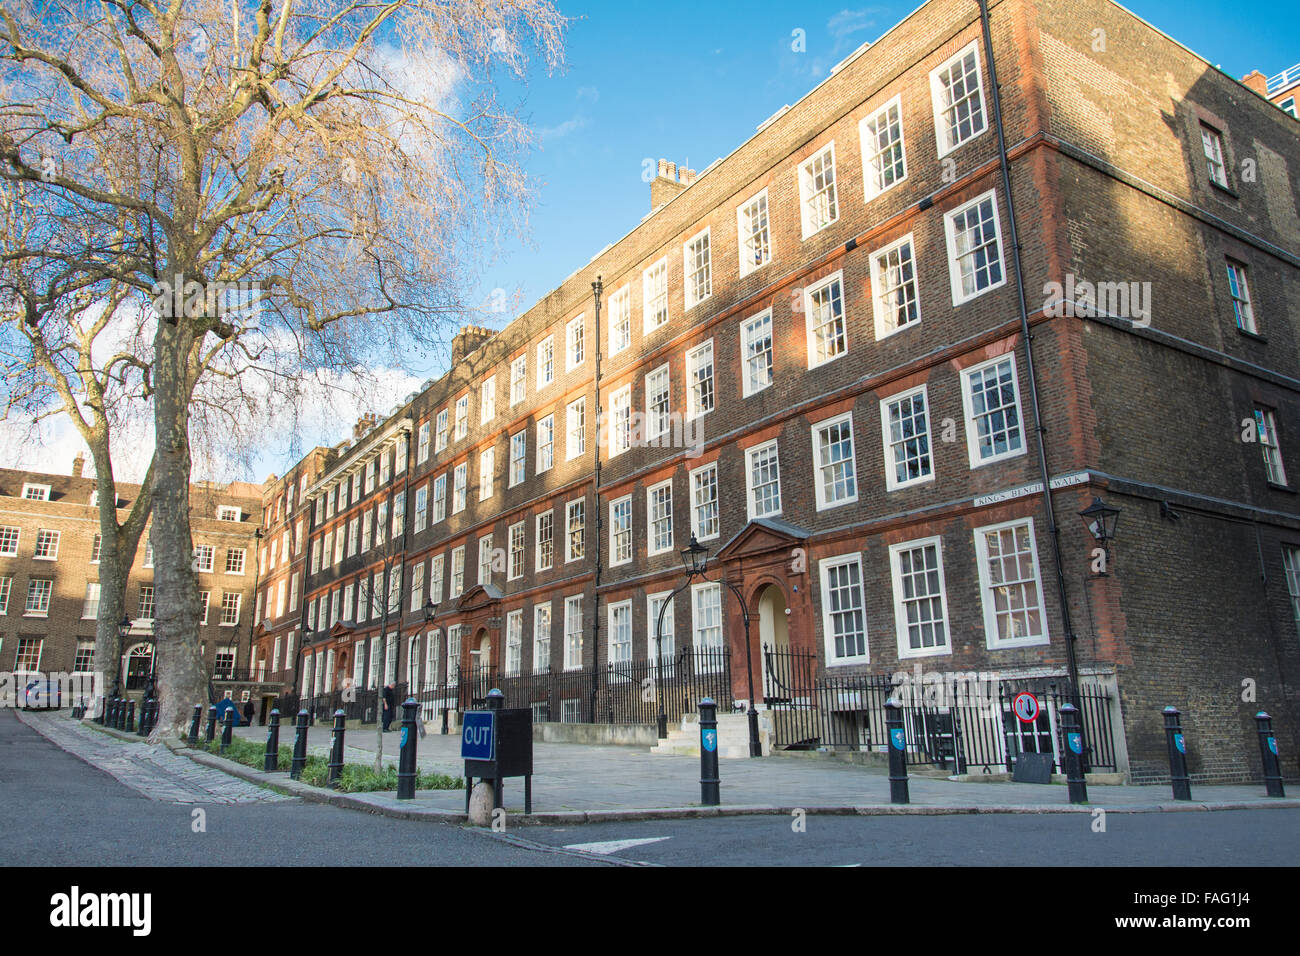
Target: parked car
(42, 694)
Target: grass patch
(355, 778)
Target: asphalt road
(1236, 838)
(57, 810)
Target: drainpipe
(597, 288)
(1053, 529)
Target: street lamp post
(694, 556)
(694, 559)
(755, 748)
(1100, 519)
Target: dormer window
(229, 513)
(36, 492)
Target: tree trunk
(117, 549)
(182, 682)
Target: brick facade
(1109, 180)
(45, 634)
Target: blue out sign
(478, 735)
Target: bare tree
(286, 182)
(67, 351)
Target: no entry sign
(1026, 706)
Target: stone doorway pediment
(763, 537)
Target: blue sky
(691, 81)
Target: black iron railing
(966, 725)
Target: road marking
(606, 847)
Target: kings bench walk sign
(478, 735)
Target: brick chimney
(669, 182)
(78, 465)
(364, 424)
(1257, 81)
(467, 340)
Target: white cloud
(564, 129)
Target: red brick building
(49, 576)
(812, 357)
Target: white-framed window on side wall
(1011, 591)
(974, 239)
(991, 399)
(755, 237)
(896, 304)
(884, 156)
(818, 202)
(957, 96)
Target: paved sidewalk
(592, 781)
(150, 769)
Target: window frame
(824, 567)
(693, 411)
(879, 319)
(943, 147)
(988, 610)
(972, 433)
(870, 190)
(804, 176)
(744, 232)
(817, 427)
(891, 479)
(959, 297)
(649, 303)
(651, 550)
(578, 322)
(693, 475)
(808, 292)
(746, 389)
(689, 293)
(905, 650)
(750, 452)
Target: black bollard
(1072, 756)
(144, 718)
(336, 748)
(445, 711)
(299, 746)
(119, 713)
(112, 713)
(210, 734)
(122, 708)
(109, 703)
(898, 786)
(130, 717)
(227, 729)
(1268, 752)
(194, 725)
(271, 762)
(153, 715)
(710, 785)
(406, 772)
(1177, 754)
